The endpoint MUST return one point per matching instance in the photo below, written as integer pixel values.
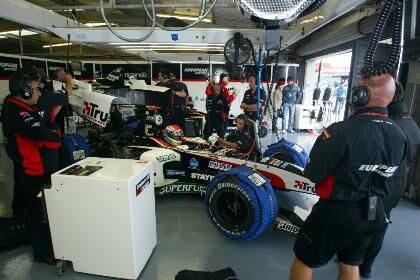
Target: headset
(360, 96)
(20, 86)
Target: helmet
(172, 134)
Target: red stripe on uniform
(31, 159)
(325, 187)
(20, 104)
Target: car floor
(187, 240)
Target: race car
(188, 165)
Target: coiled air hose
(395, 52)
(312, 8)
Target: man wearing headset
(29, 140)
(350, 164)
(243, 141)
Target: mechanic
(349, 164)
(217, 108)
(65, 79)
(276, 100)
(399, 113)
(341, 96)
(180, 94)
(210, 83)
(249, 102)
(29, 140)
(291, 97)
(242, 140)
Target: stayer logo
(92, 112)
(304, 186)
(204, 177)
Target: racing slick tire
(241, 203)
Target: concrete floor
(187, 240)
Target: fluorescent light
(175, 47)
(96, 24)
(182, 17)
(2, 37)
(57, 45)
(170, 43)
(67, 10)
(23, 32)
(386, 41)
(172, 49)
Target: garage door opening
(326, 83)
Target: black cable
(394, 55)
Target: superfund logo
(92, 112)
(307, 187)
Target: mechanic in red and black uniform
(217, 107)
(29, 142)
(350, 164)
(242, 141)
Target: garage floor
(187, 240)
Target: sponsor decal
(285, 226)
(182, 188)
(381, 169)
(264, 160)
(24, 114)
(141, 75)
(166, 157)
(193, 163)
(140, 186)
(41, 113)
(175, 172)
(201, 176)
(93, 113)
(307, 187)
(36, 124)
(257, 179)
(196, 70)
(220, 166)
(297, 148)
(79, 154)
(275, 162)
(9, 66)
(28, 119)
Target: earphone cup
(26, 92)
(360, 96)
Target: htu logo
(91, 110)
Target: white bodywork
(105, 222)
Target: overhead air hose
(312, 8)
(395, 52)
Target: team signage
(93, 106)
(218, 69)
(195, 71)
(168, 67)
(138, 71)
(8, 65)
(142, 184)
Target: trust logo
(91, 110)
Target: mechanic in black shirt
(398, 112)
(217, 107)
(243, 141)
(61, 111)
(350, 164)
(180, 94)
(29, 140)
(249, 102)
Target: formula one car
(187, 165)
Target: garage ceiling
(129, 13)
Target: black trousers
(178, 116)
(375, 246)
(217, 125)
(27, 202)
